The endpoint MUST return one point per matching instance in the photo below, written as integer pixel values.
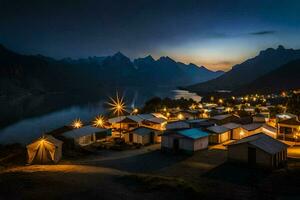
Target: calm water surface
(28, 119)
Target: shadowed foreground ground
(149, 174)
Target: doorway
(130, 137)
(251, 156)
(176, 144)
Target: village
(184, 142)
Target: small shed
(218, 134)
(258, 150)
(143, 135)
(45, 150)
(188, 140)
(87, 135)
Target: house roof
(263, 142)
(232, 125)
(134, 118)
(143, 131)
(259, 115)
(221, 117)
(218, 129)
(177, 125)
(157, 120)
(85, 130)
(191, 121)
(193, 133)
(252, 126)
(291, 121)
(48, 138)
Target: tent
(44, 150)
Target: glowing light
(117, 105)
(212, 98)
(233, 97)
(180, 116)
(192, 107)
(77, 123)
(168, 114)
(221, 101)
(165, 109)
(99, 121)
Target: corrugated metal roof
(218, 129)
(263, 142)
(251, 127)
(85, 130)
(232, 125)
(143, 131)
(177, 125)
(291, 121)
(221, 117)
(193, 133)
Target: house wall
(201, 143)
(216, 138)
(184, 143)
(236, 134)
(239, 153)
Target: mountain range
(262, 71)
(39, 74)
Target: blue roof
(193, 133)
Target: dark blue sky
(213, 33)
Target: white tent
(45, 150)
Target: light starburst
(117, 105)
(99, 121)
(77, 123)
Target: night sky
(213, 33)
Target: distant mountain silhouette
(39, 74)
(286, 77)
(248, 71)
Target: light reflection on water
(28, 129)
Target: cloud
(267, 32)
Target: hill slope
(285, 77)
(246, 72)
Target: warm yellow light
(165, 109)
(99, 121)
(192, 107)
(117, 105)
(180, 116)
(77, 123)
(233, 97)
(220, 100)
(242, 133)
(168, 114)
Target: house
(143, 135)
(218, 134)
(258, 150)
(152, 121)
(177, 125)
(239, 131)
(187, 140)
(289, 129)
(44, 150)
(235, 130)
(87, 135)
(127, 123)
(249, 129)
(223, 119)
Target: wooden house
(289, 129)
(223, 119)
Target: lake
(27, 118)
